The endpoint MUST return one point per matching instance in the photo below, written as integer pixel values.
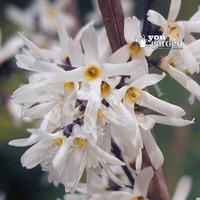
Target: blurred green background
(180, 146)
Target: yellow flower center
(58, 141)
(52, 12)
(69, 85)
(100, 114)
(172, 63)
(105, 89)
(92, 72)
(138, 198)
(79, 141)
(132, 95)
(134, 49)
(174, 30)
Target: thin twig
(113, 18)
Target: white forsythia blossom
(93, 106)
(180, 63)
(139, 192)
(68, 155)
(176, 30)
(134, 48)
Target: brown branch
(158, 188)
(113, 18)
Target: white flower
(133, 49)
(176, 30)
(65, 156)
(139, 192)
(180, 62)
(134, 94)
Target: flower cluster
(94, 107)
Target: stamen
(58, 141)
(79, 141)
(132, 95)
(172, 63)
(105, 89)
(174, 30)
(69, 85)
(100, 114)
(138, 198)
(134, 49)
(92, 72)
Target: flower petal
(189, 60)
(192, 26)
(134, 67)
(61, 155)
(120, 56)
(29, 63)
(171, 121)
(132, 29)
(118, 195)
(153, 151)
(90, 46)
(37, 53)
(157, 19)
(105, 156)
(183, 188)
(174, 10)
(160, 106)
(148, 80)
(142, 182)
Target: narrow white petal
(174, 10)
(66, 76)
(183, 188)
(61, 155)
(105, 156)
(142, 182)
(38, 112)
(62, 34)
(189, 60)
(112, 196)
(29, 63)
(20, 142)
(133, 67)
(120, 56)
(192, 26)
(153, 151)
(171, 121)
(90, 46)
(75, 53)
(188, 83)
(37, 53)
(157, 19)
(148, 80)
(194, 47)
(34, 155)
(132, 29)
(160, 106)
